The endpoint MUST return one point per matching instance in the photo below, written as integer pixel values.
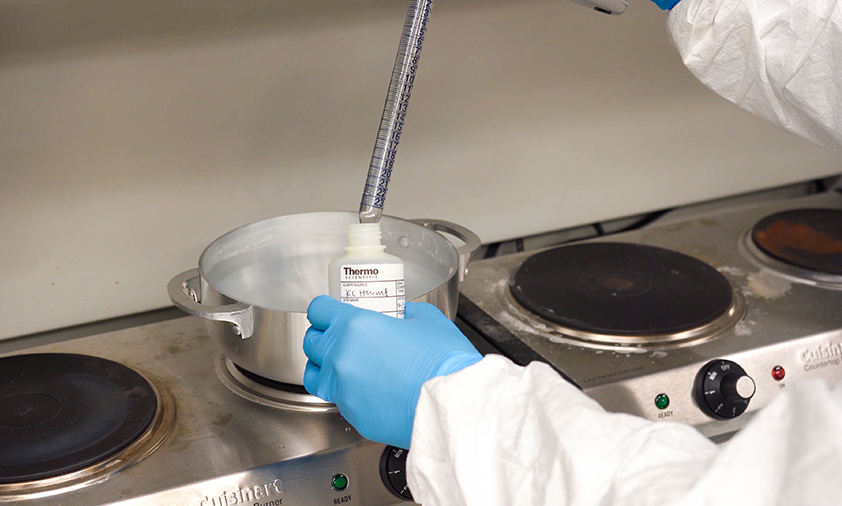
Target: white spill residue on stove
(517, 324)
(734, 271)
(763, 283)
(767, 285)
(746, 328)
(532, 328)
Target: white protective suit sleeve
(780, 60)
(499, 434)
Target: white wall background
(133, 133)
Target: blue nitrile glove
(666, 4)
(372, 366)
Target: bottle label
(379, 287)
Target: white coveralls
(499, 434)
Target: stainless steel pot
(254, 284)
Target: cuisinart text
(821, 356)
(258, 495)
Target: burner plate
(267, 392)
(806, 238)
(621, 289)
(60, 413)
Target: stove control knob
(723, 389)
(393, 472)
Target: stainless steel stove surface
(707, 333)
(205, 446)
(152, 415)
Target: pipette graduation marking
(394, 112)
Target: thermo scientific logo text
(361, 272)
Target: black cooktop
(61, 412)
(806, 238)
(621, 289)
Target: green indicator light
(662, 401)
(339, 482)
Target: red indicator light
(778, 373)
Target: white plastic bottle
(367, 276)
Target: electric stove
(702, 320)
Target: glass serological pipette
(394, 111)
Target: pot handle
(467, 251)
(186, 293)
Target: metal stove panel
(222, 445)
(784, 318)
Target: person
(484, 431)
(778, 60)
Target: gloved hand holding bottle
(372, 366)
